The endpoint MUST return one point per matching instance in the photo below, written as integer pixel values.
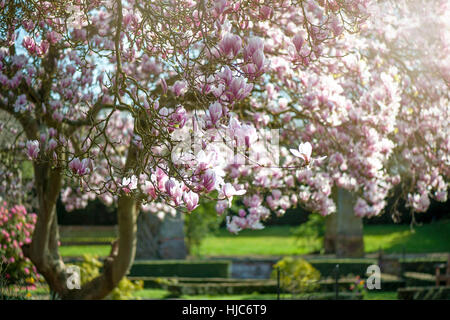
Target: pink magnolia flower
(209, 180)
(441, 196)
(265, 12)
(179, 88)
(164, 85)
(191, 200)
(170, 187)
(226, 75)
(255, 44)
(221, 206)
(150, 189)
(304, 152)
(29, 44)
(230, 45)
(81, 167)
(361, 208)
(238, 89)
(228, 191)
(52, 132)
(52, 144)
(53, 37)
(299, 40)
(215, 112)
(42, 48)
(178, 118)
(129, 184)
(32, 149)
(259, 59)
(174, 190)
(57, 116)
(233, 225)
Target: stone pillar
(160, 238)
(329, 239)
(349, 235)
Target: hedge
(357, 267)
(423, 265)
(229, 289)
(221, 288)
(267, 287)
(388, 283)
(222, 268)
(213, 286)
(417, 279)
(181, 268)
(424, 293)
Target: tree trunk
(118, 263)
(160, 238)
(43, 250)
(344, 231)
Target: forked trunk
(43, 250)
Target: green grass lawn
(78, 250)
(163, 294)
(434, 237)
(279, 240)
(42, 293)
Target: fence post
(278, 283)
(336, 284)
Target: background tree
(103, 91)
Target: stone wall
(160, 238)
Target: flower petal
(296, 153)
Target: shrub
(358, 287)
(311, 230)
(199, 224)
(347, 266)
(16, 228)
(424, 264)
(90, 268)
(296, 275)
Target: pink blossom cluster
(16, 228)
(115, 108)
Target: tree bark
(118, 263)
(43, 250)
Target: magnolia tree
(380, 112)
(150, 105)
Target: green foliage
(27, 169)
(296, 275)
(7, 291)
(349, 266)
(90, 268)
(424, 264)
(181, 268)
(358, 287)
(199, 224)
(311, 231)
(424, 293)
